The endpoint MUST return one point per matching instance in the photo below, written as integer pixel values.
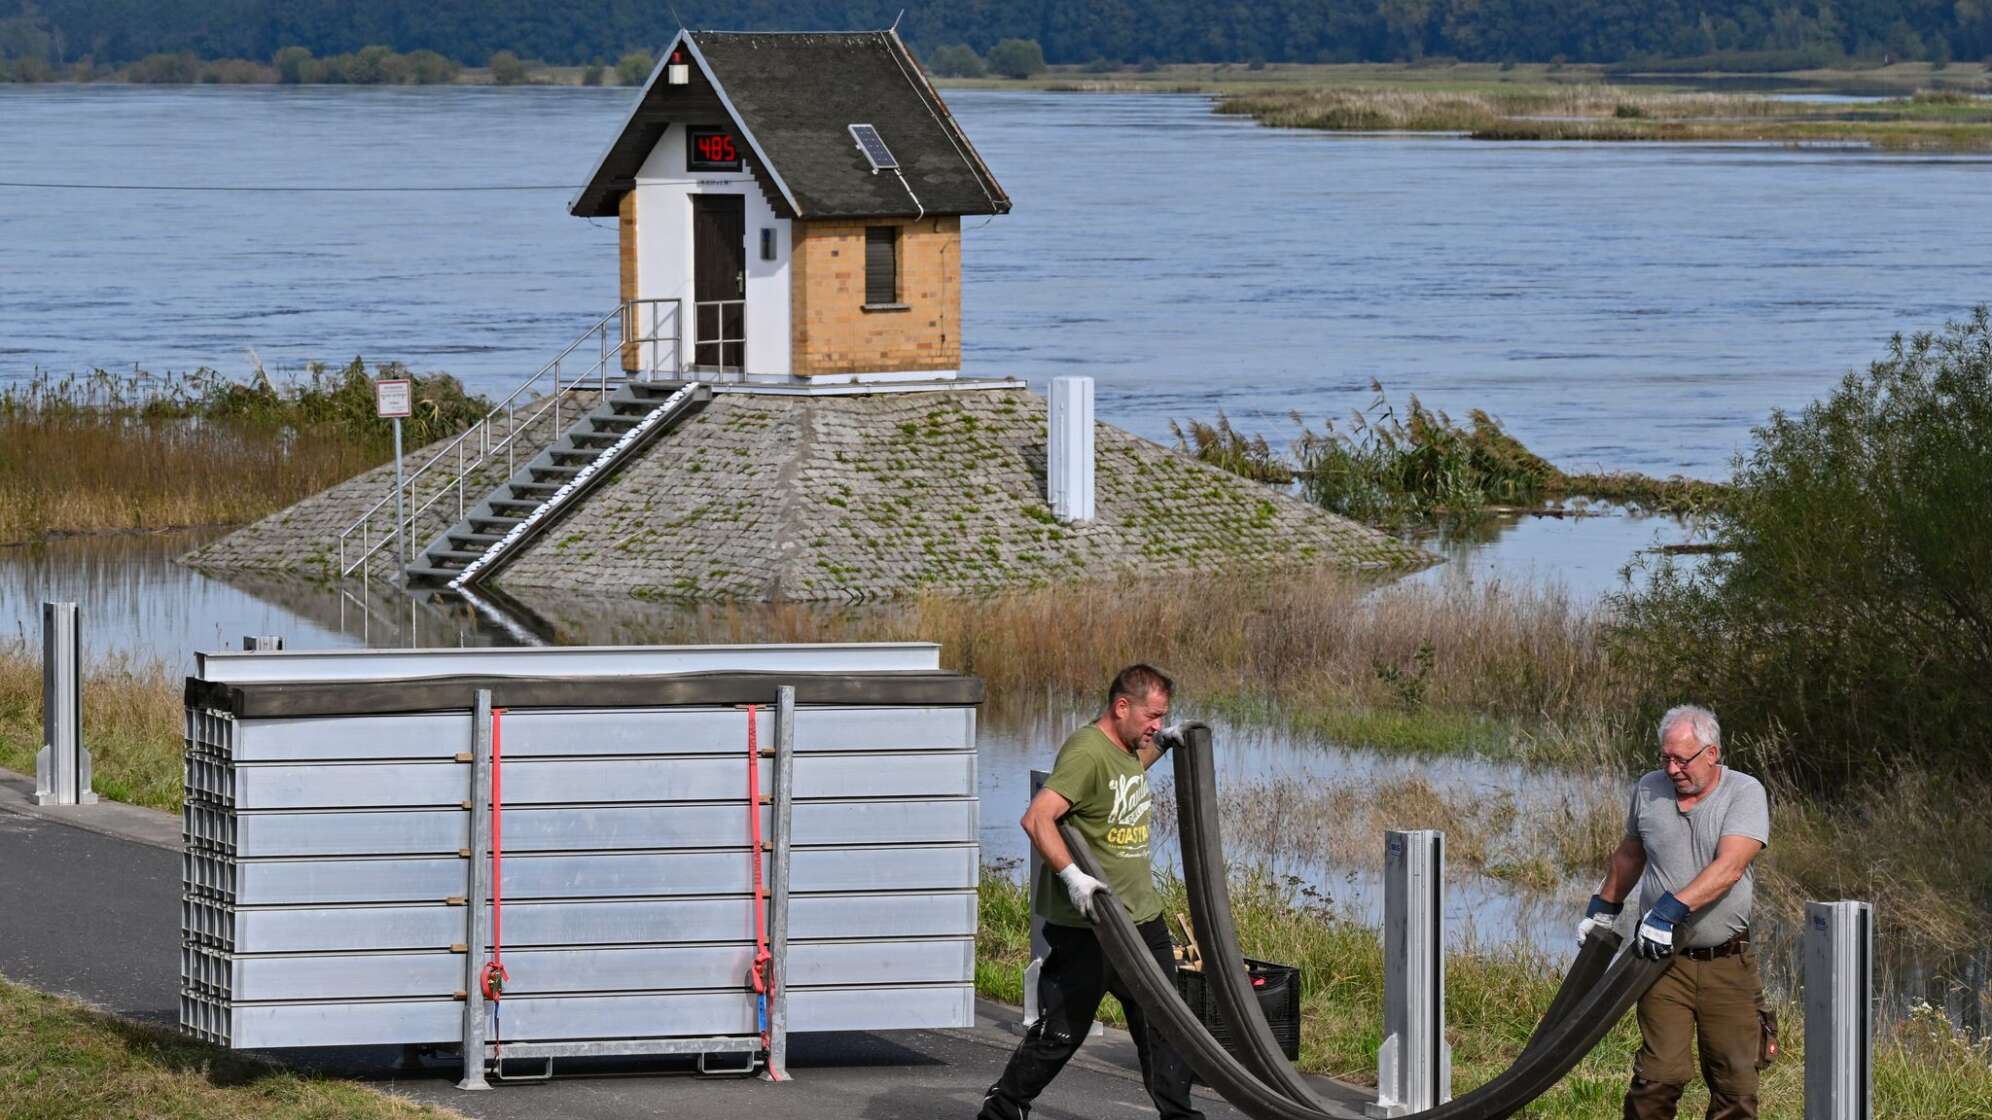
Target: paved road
(95, 916)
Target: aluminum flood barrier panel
(361, 850)
(1839, 1003)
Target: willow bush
(1848, 628)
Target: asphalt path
(96, 917)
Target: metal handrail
(474, 446)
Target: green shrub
(292, 64)
(427, 68)
(1017, 58)
(634, 67)
(1849, 626)
(507, 69)
(957, 60)
(165, 69)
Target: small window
(882, 264)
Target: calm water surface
(1635, 306)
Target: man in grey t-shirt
(1691, 832)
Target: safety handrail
(615, 335)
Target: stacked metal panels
(330, 839)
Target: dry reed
(84, 472)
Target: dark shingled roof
(792, 98)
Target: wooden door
(719, 281)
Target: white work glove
(1599, 914)
(1083, 889)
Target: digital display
(711, 149)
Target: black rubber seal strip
(1210, 910)
(1217, 932)
(296, 699)
(1628, 978)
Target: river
(1630, 307)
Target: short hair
(1707, 729)
(1138, 680)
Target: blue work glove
(1599, 915)
(1656, 930)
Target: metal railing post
(479, 887)
(1839, 1003)
(1414, 1064)
(62, 766)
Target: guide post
(394, 400)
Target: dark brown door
(719, 281)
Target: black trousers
(1070, 985)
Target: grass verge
(1493, 996)
(60, 1060)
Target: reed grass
(109, 453)
(1931, 119)
(132, 725)
(60, 1060)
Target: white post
(1040, 948)
(1839, 1025)
(476, 922)
(393, 399)
(62, 766)
(1414, 1064)
(1069, 449)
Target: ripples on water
(1632, 306)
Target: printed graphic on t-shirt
(1127, 821)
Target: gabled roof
(791, 97)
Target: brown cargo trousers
(1712, 1004)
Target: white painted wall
(664, 191)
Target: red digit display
(711, 149)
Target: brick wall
(832, 331)
(632, 358)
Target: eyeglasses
(1668, 762)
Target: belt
(1728, 948)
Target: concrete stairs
(525, 505)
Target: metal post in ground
(1839, 1002)
(479, 888)
(62, 766)
(782, 813)
(1040, 948)
(1414, 1064)
(265, 643)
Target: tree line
(601, 32)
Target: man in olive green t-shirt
(1099, 786)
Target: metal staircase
(549, 483)
(618, 379)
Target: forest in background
(1721, 34)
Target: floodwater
(1634, 306)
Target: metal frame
(480, 892)
(780, 804)
(242, 667)
(62, 766)
(1414, 1064)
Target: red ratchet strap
(493, 976)
(760, 977)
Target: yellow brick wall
(831, 331)
(632, 360)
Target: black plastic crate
(1278, 989)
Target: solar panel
(873, 147)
